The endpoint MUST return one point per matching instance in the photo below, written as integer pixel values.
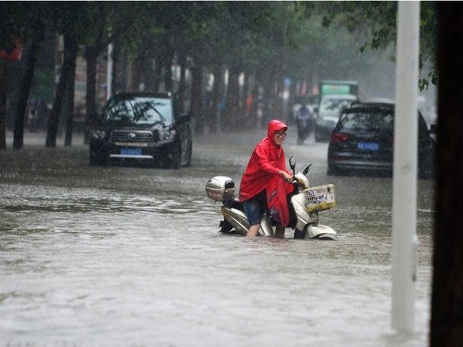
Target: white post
(109, 73)
(405, 168)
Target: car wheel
(186, 154)
(331, 170)
(176, 157)
(96, 159)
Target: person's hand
(300, 182)
(287, 177)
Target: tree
(65, 22)
(16, 22)
(104, 23)
(378, 21)
(37, 35)
(68, 67)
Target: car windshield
(367, 121)
(331, 105)
(140, 111)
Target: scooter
(304, 127)
(304, 205)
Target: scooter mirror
(306, 170)
(292, 164)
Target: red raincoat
(262, 172)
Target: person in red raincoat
(266, 181)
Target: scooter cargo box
(220, 188)
(320, 198)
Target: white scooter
(305, 203)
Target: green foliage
(378, 20)
(291, 38)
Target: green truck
(333, 97)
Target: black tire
(96, 159)
(331, 171)
(299, 234)
(175, 157)
(225, 227)
(186, 156)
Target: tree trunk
(214, 106)
(3, 97)
(447, 289)
(70, 93)
(168, 80)
(157, 73)
(232, 115)
(267, 108)
(136, 72)
(90, 95)
(70, 55)
(31, 60)
(182, 85)
(196, 99)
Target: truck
(334, 87)
(333, 97)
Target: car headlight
(166, 134)
(98, 134)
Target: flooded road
(127, 256)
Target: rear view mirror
(292, 164)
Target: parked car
(328, 113)
(143, 127)
(363, 140)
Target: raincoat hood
(273, 126)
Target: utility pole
(404, 242)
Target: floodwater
(131, 256)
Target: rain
(131, 255)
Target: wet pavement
(130, 256)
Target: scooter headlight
(303, 181)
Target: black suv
(142, 127)
(363, 140)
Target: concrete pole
(109, 73)
(404, 261)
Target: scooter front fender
(310, 221)
(321, 232)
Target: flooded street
(131, 256)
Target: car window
(139, 110)
(367, 121)
(332, 105)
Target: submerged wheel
(96, 159)
(225, 227)
(300, 234)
